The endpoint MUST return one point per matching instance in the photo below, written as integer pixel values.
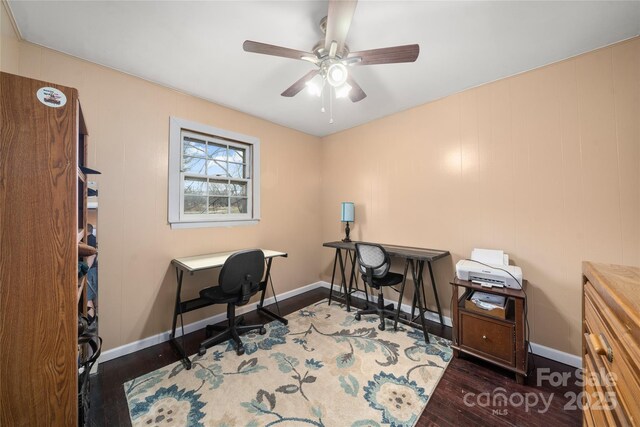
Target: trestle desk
(204, 262)
(415, 259)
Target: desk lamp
(347, 215)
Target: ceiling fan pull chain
(330, 105)
(322, 110)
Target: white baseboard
(540, 350)
(123, 350)
(557, 355)
(405, 308)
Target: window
(213, 176)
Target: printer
(489, 268)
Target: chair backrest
(240, 272)
(374, 257)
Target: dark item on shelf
(83, 268)
(86, 250)
(83, 324)
(85, 364)
(88, 171)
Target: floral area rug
(323, 369)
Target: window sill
(214, 224)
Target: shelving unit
(43, 218)
(502, 342)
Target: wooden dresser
(611, 328)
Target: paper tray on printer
(499, 312)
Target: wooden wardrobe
(42, 219)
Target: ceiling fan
(332, 56)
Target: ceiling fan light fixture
(337, 74)
(343, 90)
(315, 85)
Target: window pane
(238, 205)
(218, 205)
(216, 168)
(218, 152)
(236, 155)
(236, 189)
(218, 188)
(193, 165)
(236, 170)
(194, 147)
(195, 204)
(195, 186)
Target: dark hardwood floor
(465, 396)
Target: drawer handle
(484, 337)
(601, 346)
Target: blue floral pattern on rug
(396, 397)
(253, 341)
(169, 406)
(324, 369)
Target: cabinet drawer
(487, 337)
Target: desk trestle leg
(263, 286)
(178, 347)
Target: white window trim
(176, 125)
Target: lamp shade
(347, 212)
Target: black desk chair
(239, 280)
(374, 265)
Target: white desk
(204, 262)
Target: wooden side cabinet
(502, 342)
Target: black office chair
(239, 280)
(374, 264)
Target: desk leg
(264, 285)
(352, 256)
(343, 283)
(418, 285)
(404, 282)
(179, 348)
(435, 291)
(333, 275)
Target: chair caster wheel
(202, 351)
(381, 326)
(358, 317)
(263, 331)
(240, 351)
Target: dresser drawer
(601, 396)
(491, 338)
(620, 358)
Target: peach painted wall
(545, 165)
(128, 122)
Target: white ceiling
(196, 47)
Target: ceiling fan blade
(356, 93)
(269, 49)
(339, 21)
(387, 55)
(295, 88)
